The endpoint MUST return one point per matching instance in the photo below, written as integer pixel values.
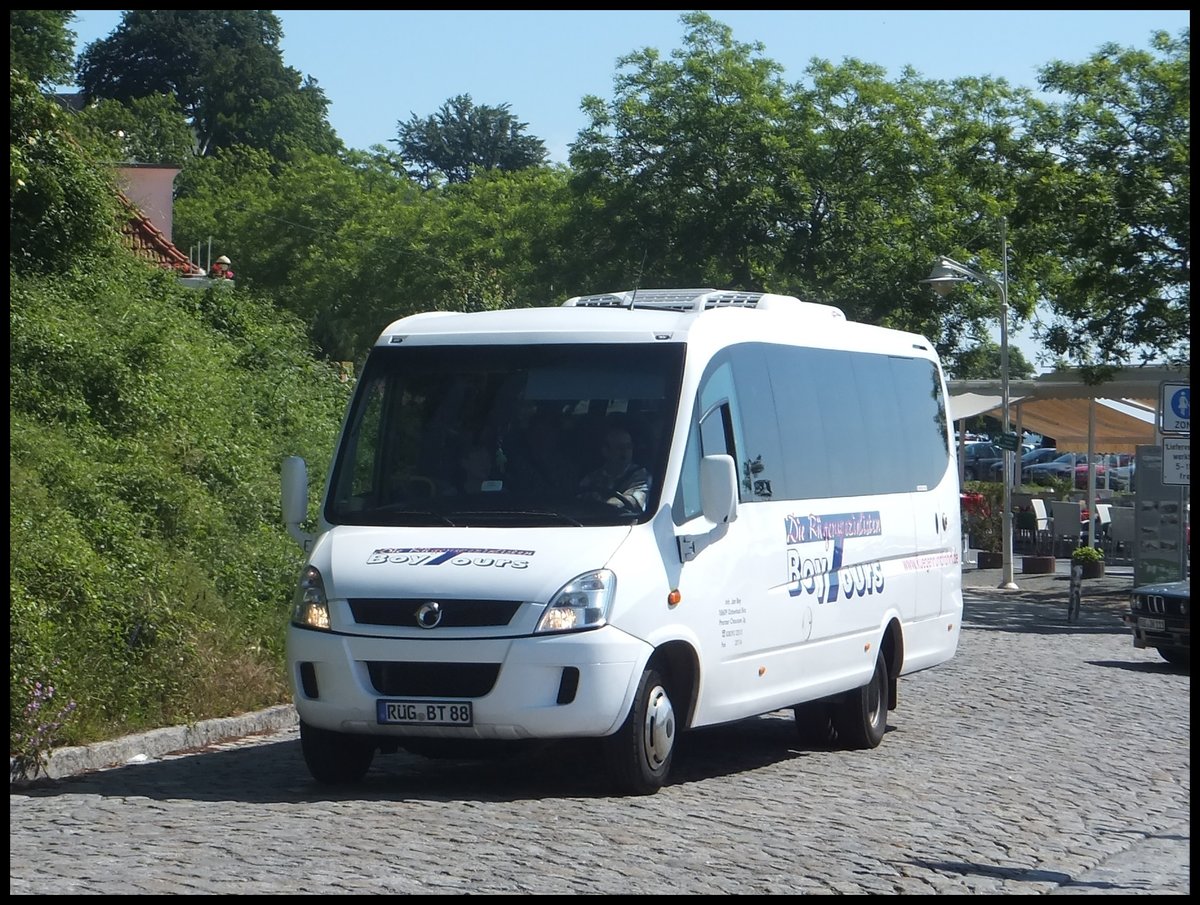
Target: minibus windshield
(507, 435)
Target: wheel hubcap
(659, 728)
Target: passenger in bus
(474, 469)
(619, 481)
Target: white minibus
(620, 518)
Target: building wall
(152, 189)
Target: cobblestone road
(1044, 759)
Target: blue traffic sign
(1176, 408)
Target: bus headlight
(310, 608)
(583, 602)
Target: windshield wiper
(397, 515)
(543, 515)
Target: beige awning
(1067, 421)
(1061, 405)
(968, 405)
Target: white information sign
(1177, 462)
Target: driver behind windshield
(618, 482)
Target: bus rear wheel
(861, 718)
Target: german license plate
(423, 713)
(1153, 625)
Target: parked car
(1032, 457)
(1125, 475)
(1108, 473)
(1121, 471)
(978, 459)
(1160, 617)
(1066, 467)
(971, 438)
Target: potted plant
(1092, 560)
(981, 508)
(1034, 561)
(1038, 564)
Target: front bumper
(1156, 631)
(523, 701)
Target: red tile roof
(148, 243)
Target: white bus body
(798, 548)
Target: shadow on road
(273, 771)
(1149, 667)
(1020, 874)
(1042, 614)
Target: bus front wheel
(639, 753)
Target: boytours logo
(455, 556)
(819, 572)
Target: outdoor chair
(1043, 542)
(1068, 526)
(1103, 521)
(1121, 532)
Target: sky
(381, 67)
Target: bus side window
(716, 432)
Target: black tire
(639, 754)
(335, 758)
(1176, 656)
(861, 718)
(814, 723)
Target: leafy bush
(1026, 520)
(983, 506)
(1087, 554)
(149, 572)
(62, 207)
(36, 729)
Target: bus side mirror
(293, 477)
(719, 489)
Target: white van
(778, 528)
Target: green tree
(150, 129)
(462, 139)
(714, 171)
(226, 69)
(211, 195)
(983, 363)
(147, 422)
(347, 245)
(1111, 196)
(40, 45)
(311, 233)
(682, 164)
(62, 206)
(893, 174)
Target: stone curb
(141, 747)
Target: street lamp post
(945, 274)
